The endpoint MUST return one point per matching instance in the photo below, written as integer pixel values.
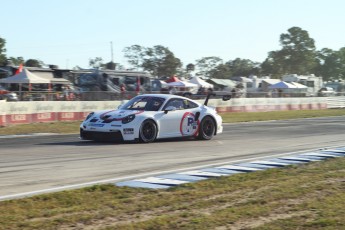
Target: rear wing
(224, 97)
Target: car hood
(115, 114)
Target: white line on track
(28, 135)
(117, 179)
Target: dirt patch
(257, 222)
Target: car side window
(154, 104)
(176, 102)
(189, 104)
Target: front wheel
(206, 129)
(148, 131)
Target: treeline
(298, 55)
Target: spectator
(123, 90)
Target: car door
(179, 122)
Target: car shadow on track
(102, 143)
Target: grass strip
(310, 196)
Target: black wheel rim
(148, 131)
(208, 128)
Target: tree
(341, 56)
(158, 60)
(273, 65)
(220, 71)
(332, 64)
(3, 59)
(206, 65)
(96, 62)
(135, 55)
(298, 54)
(33, 63)
(190, 67)
(16, 60)
(243, 67)
(237, 67)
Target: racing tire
(207, 128)
(148, 131)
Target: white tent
(223, 82)
(184, 84)
(24, 77)
(201, 83)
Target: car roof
(169, 96)
(165, 96)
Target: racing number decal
(188, 126)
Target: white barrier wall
(269, 104)
(49, 111)
(2, 112)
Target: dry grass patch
(306, 197)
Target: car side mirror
(169, 108)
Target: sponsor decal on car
(189, 126)
(128, 131)
(96, 125)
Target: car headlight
(89, 116)
(128, 119)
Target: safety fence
(50, 111)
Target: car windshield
(145, 103)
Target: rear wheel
(206, 129)
(148, 131)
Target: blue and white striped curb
(175, 179)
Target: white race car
(153, 116)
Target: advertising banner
(2, 113)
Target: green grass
(309, 196)
(51, 127)
(280, 115)
(73, 127)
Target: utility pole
(112, 54)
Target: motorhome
(109, 82)
(313, 82)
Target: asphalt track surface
(38, 164)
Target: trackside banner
(50, 111)
(2, 112)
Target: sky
(68, 33)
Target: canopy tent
(241, 79)
(173, 79)
(223, 82)
(25, 77)
(266, 83)
(201, 83)
(50, 76)
(184, 84)
(283, 85)
(270, 82)
(287, 87)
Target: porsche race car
(149, 117)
